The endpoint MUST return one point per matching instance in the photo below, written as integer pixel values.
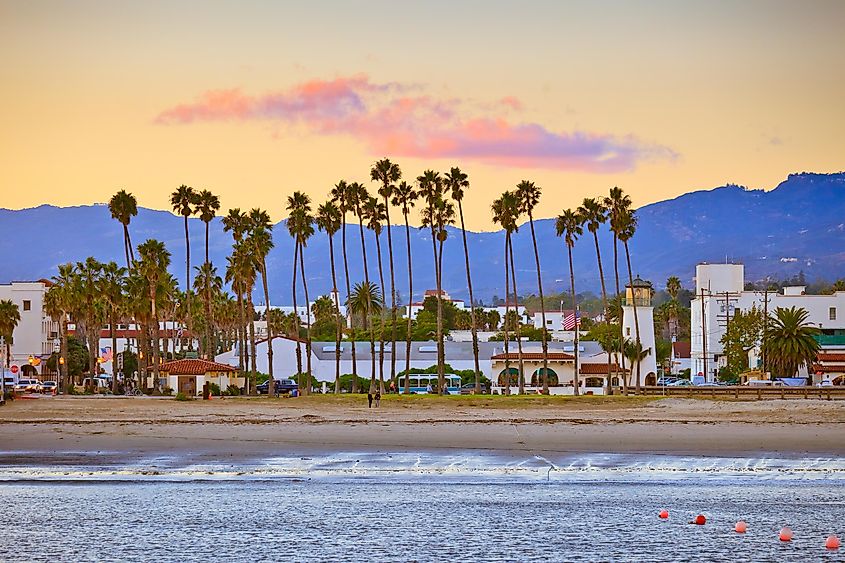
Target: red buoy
(664, 514)
(785, 534)
(740, 527)
(832, 542)
(700, 520)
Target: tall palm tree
(617, 204)
(511, 200)
(789, 342)
(206, 277)
(529, 196)
(237, 223)
(594, 213)
(502, 211)
(241, 274)
(328, 220)
(404, 196)
(208, 205)
(342, 197)
(261, 239)
(388, 173)
(568, 225)
(458, 182)
(184, 201)
(62, 303)
(366, 300)
(154, 259)
(10, 316)
(673, 288)
(123, 207)
(358, 196)
(112, 281)
(305, 229)
(295, 204)
(627, 225)
(376, 212)
(88, 287)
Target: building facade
(36, 335)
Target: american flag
(106, 354)
(569, 321)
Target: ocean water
(423, 507)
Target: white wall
(32, 336)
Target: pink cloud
(391, 121)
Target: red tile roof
(193, 367)
(533, 356)
(831, 357)
(829, 368)
(598, 369)
(681, 349)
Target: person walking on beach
(369, 400)
(378, 398)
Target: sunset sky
(253, 100)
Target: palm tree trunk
(239, 333)
(441, 360)
(127, 246)
(266, 317)
(392, 295)
(209, 344)
(507, 310)
(348, 292)
(155, 327)
(252, 347)
(518, 335)
(337, 318)
(367, 280)
(636, 319)
(307, 387)
(621, 311)
(542, 308)
(609, 389)
(471, 302)
(63, 351)
(439, 309)
(188, 286)
(410, 302)
(575, 313)
(381, 332)
(295, 310)
(113, 355)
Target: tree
(10, 316)
(112, 281)
(388, 173)
(59, 303)
(789, 342)
(261, 240)
(404, 196)
(366, 301)
(183, 201)
(458, 182)
(358, 196)
(342, 197)
(375, 212)
(208, 205)
(241, 274)
(301, 226)
(92, 311)
(328, 220)
(627, 226)
(617, 205)
(153, 262)
(568, 225)
(744, 331)
(123, 206)
(504, 209)
(529, 196)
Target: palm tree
(366, 300)
(568, 225)
(112, 282)
(358, 195)
(529, 196)
(237, 222)
(241, 274)
(342, 197)
(617, 204)
(208, 205)
(301, 226)
(634, 352)
(10, 316)
(404, 196)
(503, 209)
(388, 173)
(60, 302)
(673, 288)
(458, 182)
(261, 240)
(206, 277)
(594, 213)
(123, 207)
(328, 220)
(295, 204)
(627, 225)
(789, 342)
(183, 201)
(376, 212)
(88, 287)
(512, 201)
(153, 262)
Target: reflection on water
(418, 518)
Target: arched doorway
(537, 377)
(839, 380)
(651, 379)
(509, 381)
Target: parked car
(282, 386)
(469, 389)
(97, 384)
(50, 387)
(681, 383)
(668, 380)
(28, 386)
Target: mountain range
(797, 226)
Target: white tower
(642, 292)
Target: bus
(421, 383)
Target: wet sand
(105, 431)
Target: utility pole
(765, 323)
(703, 337)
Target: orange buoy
(832, 542)
(700, 520)
(785, 534)
(664, 514)
(740, 527)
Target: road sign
(14, 369)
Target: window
(627, 331)
(549, 321)
(27, 305)
(833, 313)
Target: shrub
(233, 391)
(214, 389)
(182, 397)
(167, 391)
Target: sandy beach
(78, 430)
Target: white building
(720, 292)
(36, 335)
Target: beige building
(592, 373)
(190, 375)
